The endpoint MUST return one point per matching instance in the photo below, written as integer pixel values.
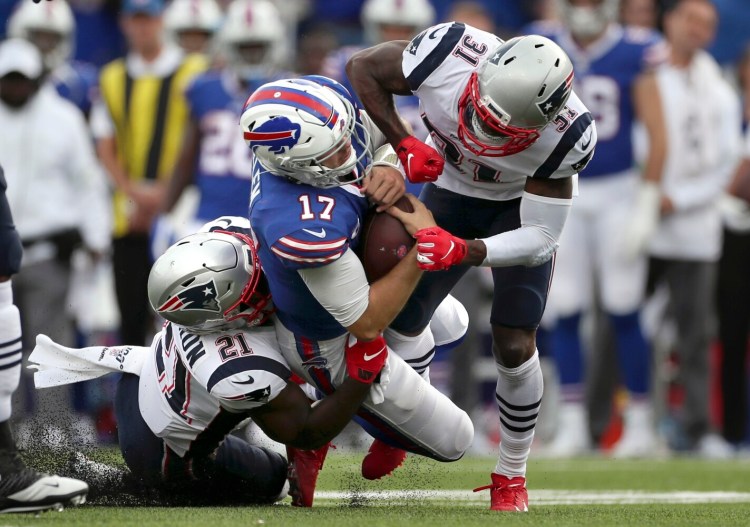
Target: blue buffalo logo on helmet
(200, 296)
(553, 104)
(279, 134)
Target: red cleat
(304, 466)
(507, 494)
(381, 460)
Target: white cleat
(572, 438)
(23, 489)
(639, 438)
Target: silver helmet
(210, 281)
(519, 88)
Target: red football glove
(364, 360)
(437, 249)
(421, 162)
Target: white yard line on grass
(541, 497)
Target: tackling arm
(290, 419)
(375, 74)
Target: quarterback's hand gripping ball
(364, 360)
(421, 162)
(437, 249)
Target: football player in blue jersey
(216, 363)
(507, 138)
(214, 157)
(614, 78)
(50, 27)
(317, 161)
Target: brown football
(384, 241)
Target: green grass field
(429, 494)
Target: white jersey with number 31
(437, 64)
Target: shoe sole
(56, 503)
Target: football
(384, 241)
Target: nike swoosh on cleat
(321, 234)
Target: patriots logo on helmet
(279, 134)
(552, 105)
(200, 296)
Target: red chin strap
(261, 304)
(518, 138)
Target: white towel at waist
(57, 365)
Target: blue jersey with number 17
(300, 227)
(604, 77)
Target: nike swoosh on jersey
(317, 234)
(249, 380)
(433, 36)
(584, 147)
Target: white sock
(519, 395)
(417, 351)
(10, 349)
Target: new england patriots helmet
(210, 281)
(49, 26)
(517, 90)
(305, 131)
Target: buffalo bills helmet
(210, 281)
(186, 19)
(412, 15)
(516, 91)
(49, 26)
(253, 38)
(590, 20)
(307, 132)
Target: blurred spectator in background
(191, 24)
(733, 31)
(473, 13)
(702, 115)
(47, 186)
(50, 26)
(314, 45)
(98, 38)
(138, 124)
(214, 156)
(734, 283)
(639, 13)
(613, 78)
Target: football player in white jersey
(216, 363)
(507, 137)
